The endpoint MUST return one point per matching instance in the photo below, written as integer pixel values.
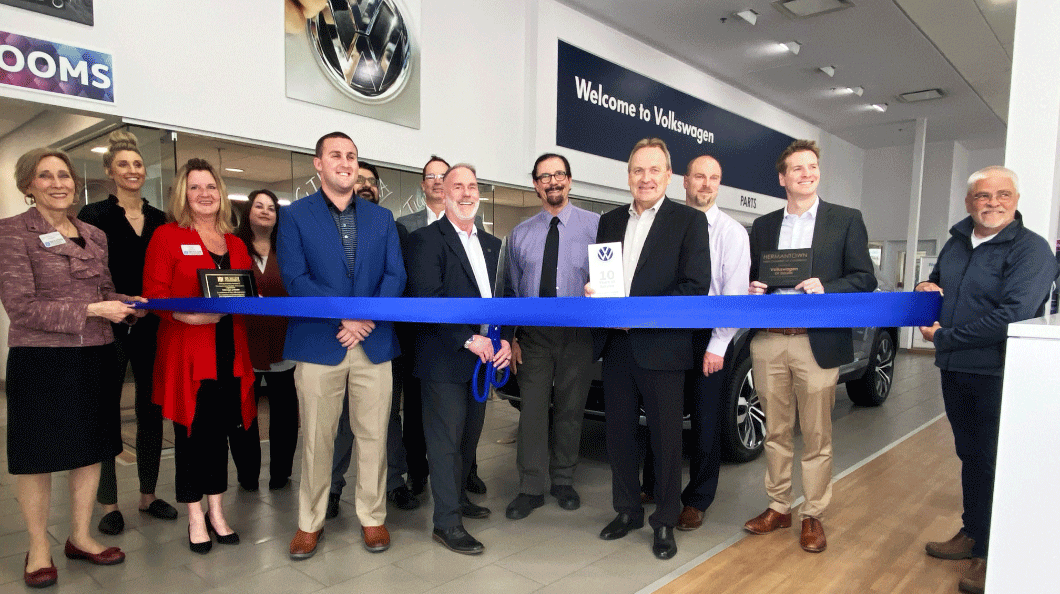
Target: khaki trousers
(790, 383)
(321, 390)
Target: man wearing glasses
(547, 357)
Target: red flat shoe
(111, 556)
(42, 578)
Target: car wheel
(872, 388)
(743, 424)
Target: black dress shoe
(199, 547)
(470, 510)
(225, 539)
(333, 506)
(522, 505)
(566, 496)
(403, 498)
(160, 509)
(664, 547)
(474, 484)
(112, 523)
(249, 486)
(457, 539)
(275, 484)
(418, 485)
(621, 526)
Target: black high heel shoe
(225, 539)
(200, 547)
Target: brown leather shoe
(958, 547)
(376, 538)
(304, 544)
(974, 580)
(767, 522)
(691, 518)
(812, 539)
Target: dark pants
(452, 424)
(278, 388)
(396, 467)
(702, 401)
(202, 455)
(136, 345)
(556, 370)
(625, 384)
(973, 406)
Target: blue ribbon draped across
(836, 310)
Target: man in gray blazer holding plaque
(795, 369)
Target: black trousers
(973, 406)
(625, 384)
(201, 455)
(703, 402)
(452, 424)
(136, 345)
(278, 388)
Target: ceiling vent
(804, 9)
(925, 95)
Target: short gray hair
(993, 171)
(467, 166)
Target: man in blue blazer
(336, 244)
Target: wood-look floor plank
(880, 517)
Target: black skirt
(62, 409)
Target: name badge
(191, 250)
(52, 239)
(605, 269)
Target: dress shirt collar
(431, 217)
(460, 232)
(712, 215)
(811, 213)
(351, 207)
(654, 208)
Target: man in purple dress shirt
(548, 256)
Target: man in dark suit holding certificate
(665, 251)
(795, 369)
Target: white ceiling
(963, 47)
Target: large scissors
(490, 377)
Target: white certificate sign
(605, 269)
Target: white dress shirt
(637, 229)
(473, 249)
(730, 267)
(431, 217)
(796, 232)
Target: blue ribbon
(490, 376)
(834, 310)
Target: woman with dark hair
(273, 376)
(129, 221)
(58, 293)
(203, 377)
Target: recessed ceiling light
(793, 47)
(880, 107)
(748, 15)
(925, 95)
(234, 169)
(829, 70)
(802, 9)
(99, 149)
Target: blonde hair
(178, 197)
(26, 168)
(120, 140)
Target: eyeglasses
(547, 177)
(371, 181)
(433, 176)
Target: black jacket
(1002, 281)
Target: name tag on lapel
(52, 239)
(193, 249)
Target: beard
(557, 199)
(368, 195)
(457, 211)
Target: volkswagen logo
(605, 254)
(364, 47)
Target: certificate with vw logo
(605, 269)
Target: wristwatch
(467, 343)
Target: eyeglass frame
(559, 176)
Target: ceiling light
(880, 107)
(234, 169)
(238, 197)
(801, 9)
(748, 15)
(793, 47)
(829, 70)
(99, 149)
(859, 91)
(925, 95)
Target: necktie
(550, 261)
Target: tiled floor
(551, 551)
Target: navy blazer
(313, 264)
(439, 267)
(840, 260)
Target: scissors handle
(490, 377)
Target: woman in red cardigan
(203, 376)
